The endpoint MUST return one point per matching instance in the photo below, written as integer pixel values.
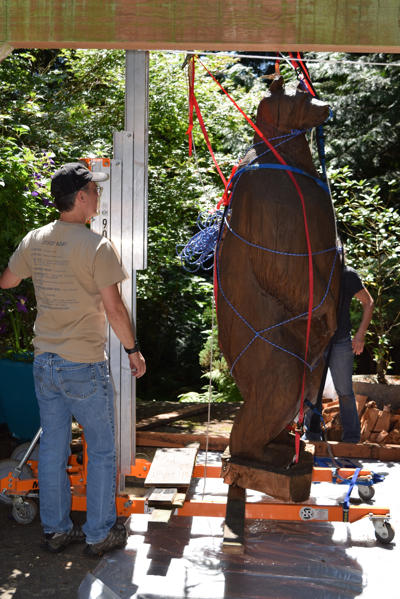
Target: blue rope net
(199, 250)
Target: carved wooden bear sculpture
(262, 268)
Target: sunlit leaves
(370, 229)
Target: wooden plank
(266, 25)
(367, 451)
(159, 517)
(172, 467)
(156, 439)
(234, 520)
(179, 500)
(165, 418)
(162, 497)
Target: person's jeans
(65, 389)
(341, 367)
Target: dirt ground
(26, 570)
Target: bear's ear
(277, 85)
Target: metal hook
(188, 58)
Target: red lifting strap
(193, 104)
(298, 63)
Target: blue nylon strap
(351, 486)
(281, 167)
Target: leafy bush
(370, 229)
(220, 385)
(25, 200)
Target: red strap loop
(191, 103)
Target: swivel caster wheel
(366, 492)
(384, 532)
(24, 510)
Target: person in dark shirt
(343, 347)
(341, 355)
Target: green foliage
(220, 385)
(364, 133)
(370, 229)
(24, 189)
(25, 203)
(17, 314)
(67, 102)
(172, 302)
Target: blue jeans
(65, 389)
(341, 367)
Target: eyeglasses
(99, 190)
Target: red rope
(193, 104)
(203, 128)
(299, 64)
(189, 131)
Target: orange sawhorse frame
(128, 504)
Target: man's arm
(8, 279)
(121, 324)
(368, 307)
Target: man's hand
(358, 344)
(137, 364)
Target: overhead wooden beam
(255, 25)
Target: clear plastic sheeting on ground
(282, 559)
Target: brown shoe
(116, 539)
(58, 541)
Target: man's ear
(80, 197)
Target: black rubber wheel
(387, 535)
(366, 492)
(24, 510)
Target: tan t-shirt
(68, 264)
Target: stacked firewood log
(377, 426)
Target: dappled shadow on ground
(27, 571)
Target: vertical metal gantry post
(123, 219)
(130, 147)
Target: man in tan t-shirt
(75, 273)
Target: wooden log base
(285, 484)
(234, 520)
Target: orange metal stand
(14, 488)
